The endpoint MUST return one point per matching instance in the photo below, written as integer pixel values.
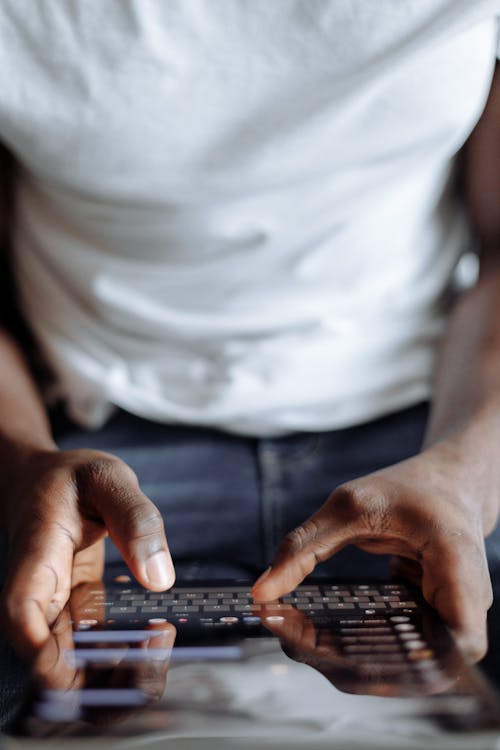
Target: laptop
(333, 664)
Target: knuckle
(366, 506)
(102, 470)
(299, 537)
(91, 474)
(124, 472)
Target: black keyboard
(368, 638)
(235, 602)
(379, 628)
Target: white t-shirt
(235, 212)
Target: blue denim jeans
(228, 500)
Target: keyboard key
(357, 648)
(188, 608)
(402, 605)
(385, 648)
(372, 606)
(416, 644)
(340, 605)
(365, 631)
(383, 669)
(247, 607)
(284, 605)
(309, 606)
(369, 657)
(421, 655)
(373, 639)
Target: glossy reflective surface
(271, 674)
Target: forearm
(466, 400)
(467, 379)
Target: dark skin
(432, 512)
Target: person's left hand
(432, 511)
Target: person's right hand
(56, 511)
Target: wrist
(470, 454)
(17, 460)
(475, 424)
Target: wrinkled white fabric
(235, 212)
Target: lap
(231, 499)
(228, 499)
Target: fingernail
(159, 570)
(263, 576)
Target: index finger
(301, 550)
(133, 521)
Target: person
(235, 241)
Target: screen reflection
(277, 672)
